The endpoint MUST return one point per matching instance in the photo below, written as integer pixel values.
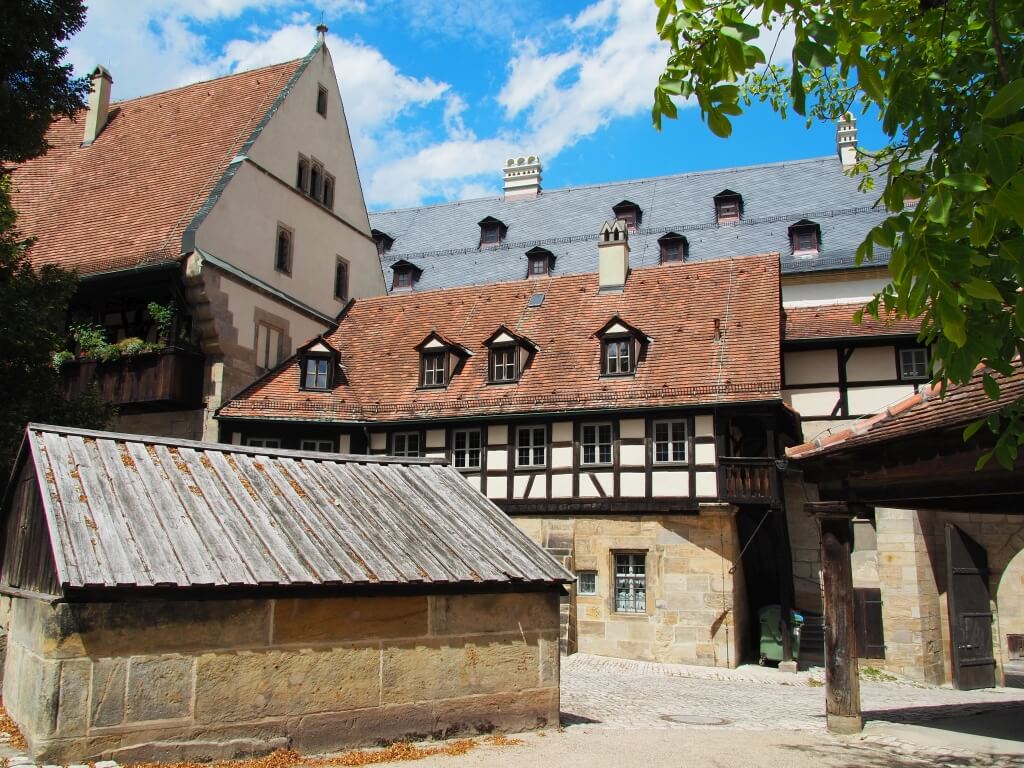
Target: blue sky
(440, 92)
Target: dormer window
(405, 275)
(728, 207)
(318, 361)
(805, 237)
(541, 261)
(492, 232)
(509, 353)
(621, 347)
(383, 240)
(673, 247)
(439, 360)
(628, 212)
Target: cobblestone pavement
(601, 693)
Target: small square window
(628, 217)
(434, 369)
(618, 357)
(402, 280)
(673, 250)
(341, 280)
(538, 265)
(596, 444)
(321, 101)
(531, 446)
(586, 582)
(490, 234)
(405, 444)
(669, 442)
(283, 250)
(319, 446)
(317, 373)
(466, 448)
(504, 364)
(631, 582)
(913, 364)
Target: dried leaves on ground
(9, 727)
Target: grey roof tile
(443, 239)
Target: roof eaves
(188, 237)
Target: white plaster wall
(473, 480)
(816, 366)
(864, 400)
(435, 438)
(561, 485)
(561, 456)
(519, 486)
(497, 434)
(378, 441)
(707, 484)
(704, 425)
(804, 293)
(631, 428)
(632, 484)
(344, 443)
(632, 455)
(704, 453)
(871, 364)
(540, 488)
(561, 432)
(670, 483)
(497, 487)
(812, 402)
(497, 458)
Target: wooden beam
(842, 685)
(841, 509)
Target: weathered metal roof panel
(134, 511)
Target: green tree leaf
(1009, 99)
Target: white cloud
(532, 75)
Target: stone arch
(1010, 595)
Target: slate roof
(443, 240)
(677, 306)
(835, 321)
(128, 198)
(923, 412)
(133, 511)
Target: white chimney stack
(99, 105)
(613, 256)
(846, 140)
(522, 177)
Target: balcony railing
(748, 480)
(170, 378)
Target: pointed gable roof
(130, 197)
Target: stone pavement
(605, 693)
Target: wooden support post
(842, 683)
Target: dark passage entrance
(970, 613)
(760, 541)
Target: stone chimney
(321, 33)
(522, 177)
(613, 256)
(846, 140)
(99, 105)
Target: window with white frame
(320, 446)
(596, 442)
(618, 357)
(405, 444)
(466, 448)
(631, 582)
(504, 364)
(434, 369)
(669, 441)
(263, 442)
(913, 363)
(586, 582)
(268, 346)
(317, 373)
(531, 446)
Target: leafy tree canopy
(947, 79)
(34, 88)
(34, 85)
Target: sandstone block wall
(696, 610)
(198, 680)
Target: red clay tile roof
(917, 414)
(675, 305)
(835, 321)
(128, 197)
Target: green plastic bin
(771, 633)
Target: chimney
(613, 256)
(321, 33)
(99, 105)
(522, 177)
(846, 140)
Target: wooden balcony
(748, 480)
(168, 379)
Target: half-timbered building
(629, 420)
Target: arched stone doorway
(1010, 622)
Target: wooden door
(867, 609)
(970, 613)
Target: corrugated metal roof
(132, 511)
(443, 240)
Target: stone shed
(178, 599)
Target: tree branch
(997, 41)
